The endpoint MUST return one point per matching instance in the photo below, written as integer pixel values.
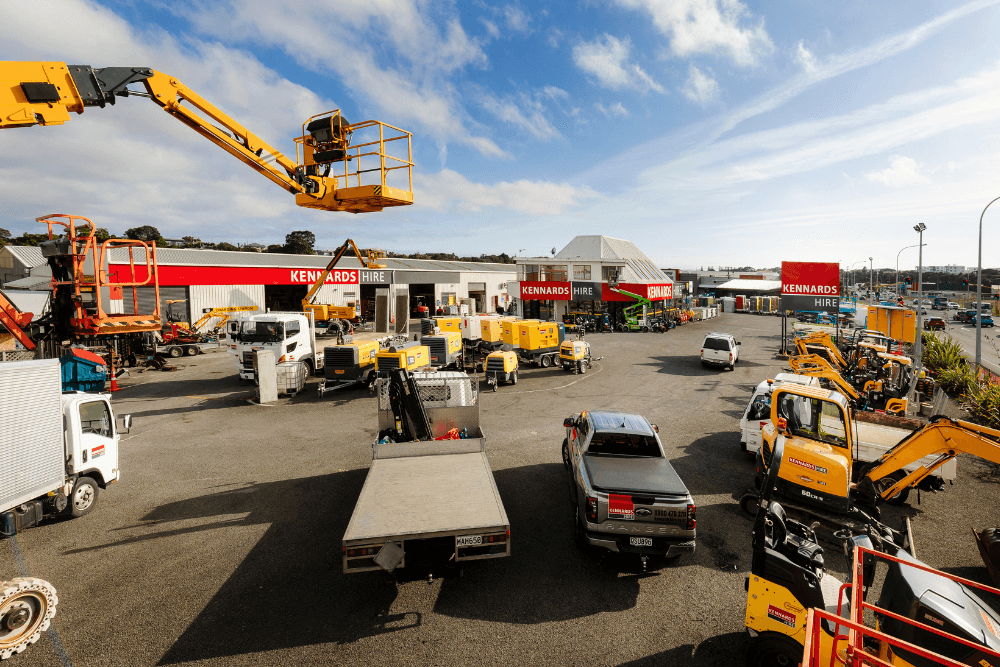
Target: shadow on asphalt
(727, 649)
(689, 365)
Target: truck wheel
(192, 351)
(84, 496)
(771, 649)
(309, 367)
(175, 352)
(565, 454)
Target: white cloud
(902, 172)
(526, 113)
(700, 88)
(607, 59)
(491, 27)
(554, 93)
(518, 20)
(355, 36)
(805, 57)
(616, 109)
(707, 27)
(449, 190)
(848, 62)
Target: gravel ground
(221, 544)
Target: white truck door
(98, 443)
(757, 414)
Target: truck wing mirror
(127, 423)
(569, 422)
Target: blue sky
(709, 132)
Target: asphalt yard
(221, 543)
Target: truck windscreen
(623, 444)
(262, 332)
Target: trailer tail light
(591, 509)
(493, 539)
(691, 522)
(363, 551)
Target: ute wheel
(565, 454)
(546, 361)
(191, 351)
(513, 377)
(771, 649)
(887, 482)
(749, 504)
(175, 352)
(27, 606)
(83, 497)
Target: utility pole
(918, 343)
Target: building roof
(196, 257)
(27, 255)
(638, 267)
(34, 302)
(29, 283)
(749, 285)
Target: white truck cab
(291, 336)
(758, 410)
(61, 448)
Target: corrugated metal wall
(146, 297)
(204, 297)
(338, 295)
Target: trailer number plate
(469, 540)
(339, 372)
(641, 541)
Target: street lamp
(871, 284)
(919, 342)
(979, 293)
(897, 267)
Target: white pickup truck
(291, 336)
(871, 440)
(59, 449)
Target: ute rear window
(623, 444)
(716, 344)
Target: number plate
(469, 540)
(339, 372)
(641, 541)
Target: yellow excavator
(886, 393)
(44, 93)
(812, 426)
(338, 317)
(820, 343)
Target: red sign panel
(810, 279)
(621, 507)
(236, 275)
(652, 292)
(544, 290)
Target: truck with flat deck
(429, 498)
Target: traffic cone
(114, 383)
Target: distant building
(953, 269)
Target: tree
(191, 242)
(145, 233)
(4, 237)
(300, 243)
(101, 235)
(225, 246)
(274, 247)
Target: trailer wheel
(84, 496)
(887, 482)
(772, 649)
(175, 352)
(546, 361)
(749, 504)
(192, 351)
(513, 376)
(582, 367)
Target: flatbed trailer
(429, 501)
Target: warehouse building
(575, 280)
(197, 281)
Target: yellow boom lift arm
(371, 259)
(44, 93)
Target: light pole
(871, 284)
(919, 342)
(979, 294)
(897, 265)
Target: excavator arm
(942, 437)
(310, 297)
(44, 93)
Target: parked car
(987, 321)
(934, 324)
(952, 305)
(627, 497)
(720, 349)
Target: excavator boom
(44, 93)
